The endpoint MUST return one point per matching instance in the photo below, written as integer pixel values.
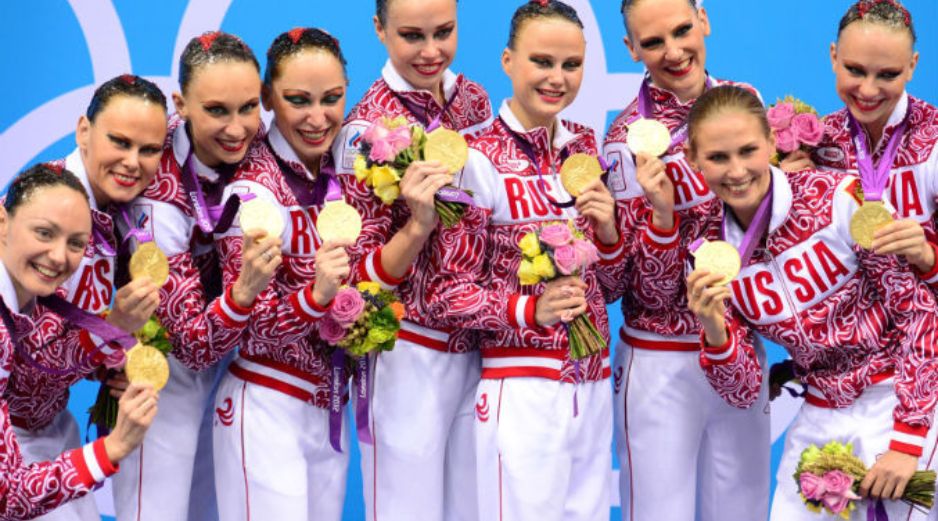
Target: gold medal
(870, 217)
(339, 221)
(648, 136)
(149, 261)
(578, 172)
(448, 147)
(718, 257)
(258, 214)
(147, 365)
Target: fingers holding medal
(258, 214)
(648, 136)
(149, 261)
(869, 218)
(147, 365)
(578, 172)
(718, 257)
(447, 147)
(339, 221)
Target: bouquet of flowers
(796, 125)
(104, 411)
(362, 319)
(389, 146)
(829, 478)
(555, 250)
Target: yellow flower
(526, 273)
(361, 168)
(543, 266)
(388, 194)
(383, 176)
(371, 287)
(530, 246)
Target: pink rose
(780, 116)
(382, 152)
(786, 141)
(555, 235)
(586, 253)
(566, 260)
(839, 491)
(812, 486)
(331, 331)
(399, 138)
(807, 129)
(347, 307)
(837, 482)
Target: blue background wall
(55, 51)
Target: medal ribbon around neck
(529, 151)
(326, 186)
(754, 233)
(873, 178)
(646, 110)
(134, 232)
(214, 219)
(420, 112)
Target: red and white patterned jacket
(281, 348)
(912, 189)
(27, 491)
(469, 113)
(35, 397)
(848, 318)
(649, 322)
(201, 331)
(477, 284)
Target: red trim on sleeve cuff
(373, 270)
(612, 253)
(722, 354)
(661, 239)
(908, 439)
(231, 313)
(92, 463)
(521, 311)
(306, 306)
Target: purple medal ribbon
(134, 232)
(222, 216)
(529, 151)
(876, 511)
(76, 316)
(362, 381)
(873, 178)
(336, 391)
(100, 240)
(421, 112)
(646, 110)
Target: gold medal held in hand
(869, 218)
(718, 257)
(339, 221)
(151, 262)
(648, 136)
(448, 147)
(258, 214)
(578, 172)
(147, 365)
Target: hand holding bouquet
(362, 319)
(829, 479)
(796, 125)
(560, 250)
(389, 146)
